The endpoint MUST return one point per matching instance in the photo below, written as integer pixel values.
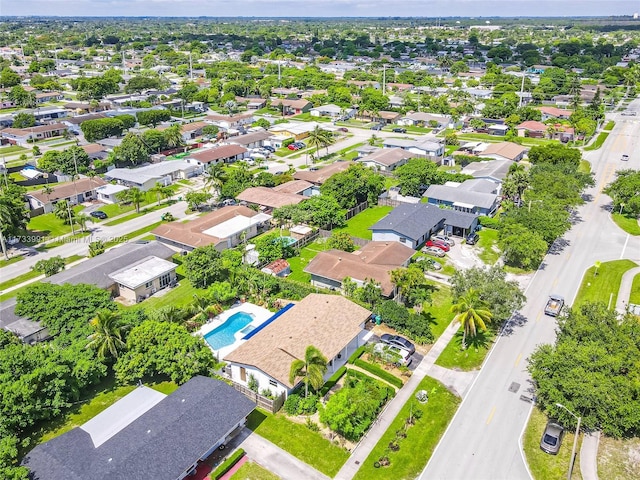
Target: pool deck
(259, 314)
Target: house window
(273, 383)
(165, 280)
(403, 240)
(243, 374)
(148, 284)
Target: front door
(243, 374)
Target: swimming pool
(225, 334)
(288, 240)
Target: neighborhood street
(483, 439)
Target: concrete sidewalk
(362, 451)
(625, 289)
(589, 456)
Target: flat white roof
(300, 229)
(111, 189)
(142, 272)
(235, 225)
(110, 421)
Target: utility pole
(190, 67)
(279, 73)
(124, 63)
(384, 79)
(521, 90)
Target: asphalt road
(482, 441)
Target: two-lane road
(482, 441)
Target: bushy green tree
(353, 186)
(50, 266)
(203, 266)
(341, 241)
(625, 191)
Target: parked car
(293, 146)
(98, 214)
(554, 305)
(625, 158)
(343, 129)
(435, 251)
(313, 169)
(279, 172)
(552, 437)
(444, 238)
(376, 127)
(398, 341)
(472, 238)
(400, 130)
(393, 354)
(229, 202)
(268, 148)
(438, 244)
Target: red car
(440, 245)
(292, 147)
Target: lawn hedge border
(379, 372)
(356, 355)
(332, 381)
(228, 464)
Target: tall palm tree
(133, 195)
(108, 334)
(5, 219)
(311, 369)
(317, 138)
(81, 219)
(161, 191)
(215, 177)
(472, 313)
(173, 136)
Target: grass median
(628, 223)
(602, 284)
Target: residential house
(144, 278)
(332, 111)
(298, 187)
(469, 196)
(82, 190)
(73, 123)
(374, 261)
(553, 112)
(362, 84)
(493, 170)
(252, 139)
(413, 224)
(269, 199)
(216, 154)
(109, 193)
(44, 97)
(386, 159)
(146, 434)
(331, 323)
(532, 128)
(427, 147)
(230, 122)
(296, 130)
(224, 228)
(318, 177)
(46, 114)
(423, 119)
(252, 103)
(23, 136)
(497, 129)
(95, 151)
(278, 268)
(382, 116)
(192, 130)
(147, 176)
(291, 106)
(504, 151)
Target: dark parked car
(343, 129)
(552, 437)
(376, 127)
(268, 148)
(98, 214)
(400, 130)
(398, 341)
(472, 238)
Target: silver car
(552, 437)
(435, 251)
(443, 238)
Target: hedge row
(332, 381)
(356, 355)
(227, 464)
(379, 372)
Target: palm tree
(215, 177)
(311, 369)
(173, 136)
(133, 195)
(5, 219)
(170, 314)
(471, 312)
(81, 219)
(202, 309)
(161, 191)
(108, 335)
(47, 190)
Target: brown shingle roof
(93, 148)
(219, 153)
(533, 126)
(318, 177)
(214, 117)
(68, 189)
(328, 322)
(291, 103)
(387, 156)
(507, 150)
(269, 197)
(193, 126)
(294, 186)
(190, 233)
(39, 129)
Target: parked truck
(554, 305)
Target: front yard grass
(542, 465)
(304, 444)
(628, 223)
(602, 136)
(618, 459)
(634, 297)
(610, 124)
(358, 225)
(300, 261)
(440, 309)
(25, 277)
(585, 166)
(488, 240)
(422, 438)
(253, 471)
(48, 225)
(605, 285)
(471, 358)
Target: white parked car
(393, 354)
(444, 238)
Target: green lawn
(585, 166)
(310, 447)
(601, 287)
(542, 465)
(253, 471)
(422, 438)
(299, 262)
(32, 274)
(634, 297)
(132, 235)
(602, 136)
(48, 225)
(628, 223)
(358, 226)
(472, 357)
(62, 240)
(12, 149)
(133, 215)
(4, 263)
(485, 137)
(488, 239)
(609, 126)
(179, 296)
(439, 310)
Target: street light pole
(575, 439)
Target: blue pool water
(225, 334)
(288, 240)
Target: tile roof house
(146, 434)
(413, 223)
(504, 151)
(386, 159)
(373, 261)
(21, 136)
(291, 106)
(278, 268)
(318, 177)
(218, 154)
(553, 112)
(224, 228)
(269, 198)
(332, 323)
(76, 192)
(532, 128)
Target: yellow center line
(493, 411)
(538, 317)
(518, 360)
(555, 282)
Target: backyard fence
(356, 210)
(361, 242)
(263, 402)
(388, 202)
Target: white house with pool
(332, 323)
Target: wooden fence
(263, 402)
(361, 242)
(356, 210)
(385, 201)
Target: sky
(319, 8)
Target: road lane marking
(493, 411)
(555, 282)
(624, 247)
(538, 317)
(518, 360)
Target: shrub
(291, 404)
(265, 392)
(287, 142)
(333, 380)
(490, 222)
(227, 464)
(298, 405)
(379, 372)
(253, 383)
(313, 426)
(357, 354)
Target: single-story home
(192, 130)
(386, 159)
(554, 112)
(413, 223)
(298, 187)
(420, 148)
(296, 130)
(144, 277)
(252, 139)
(269, 198)
(493, 170)
(464, 197)
(95, 151)
(21, 136)
(228, 122)
(383, 116)
(424, 119)
(504, 151)
(532, 128)
(291, 106)
(224, 228)
(332, 111)
(44, 97)
(252, 103)
(331, 323)
(147, 176)
(73, 123)
(109, 193)
(76, 192)
(318, 177)
(217, 154)
(146, 434)
(498, 129)
(374, 261)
